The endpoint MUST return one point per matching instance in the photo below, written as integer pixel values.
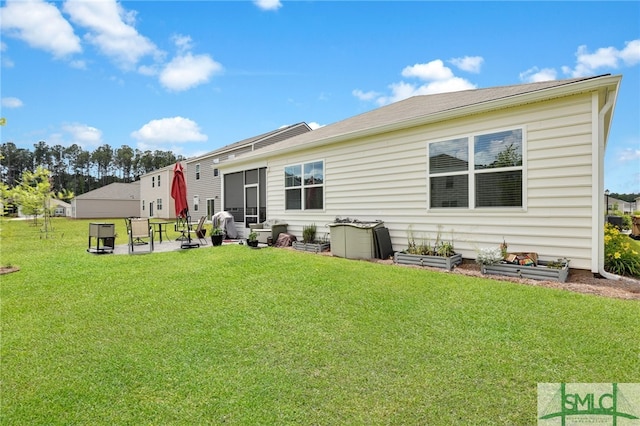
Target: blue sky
(191, 77)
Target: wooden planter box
(423, 260)
(311, 247)
(540, 272)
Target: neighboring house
(110, 201)
(155, 194)
(616, 204)
(60, 208)
(528, 169)
(204, 184)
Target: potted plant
(252, 239)
(496, 261)
(310, 242)
(217, 235)
(439, 255)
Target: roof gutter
(601, 146)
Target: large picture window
(304, 186)
(477, 171)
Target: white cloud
(468, 63)
(434, 70)
(41, 25)
(437, 77)
(629, 154)
(148, 70)
(169, 130)
(535, 74)
(313, 125)
(182, 42)
(11, 102)
(83, 134)
(630, 55)
(78, 64)
(187, 71)
(6, 62)
(365, 96)
(605, 57)
(268, 4)
(110, 29)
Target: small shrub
(309, 233)
(489, 256)
(440, 247)
(619, 256)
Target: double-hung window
(477, 171)
(304, 186)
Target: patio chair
(140, 230)
(200, 232)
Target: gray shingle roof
(414, 108)
(261, 140)
(114, 191)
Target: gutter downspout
(600, 151)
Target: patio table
(159, 226)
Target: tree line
(76, 170)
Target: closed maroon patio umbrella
(179, 194)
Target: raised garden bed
(539, 272)
(447, 263)
(311, 247)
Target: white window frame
(471, 172)
(159, 204)
(303, 186)
(197, 170)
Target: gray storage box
(353, 240)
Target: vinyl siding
(384, 177)
(150, 193)
(97, 209)
(202, 187)
(210, 187)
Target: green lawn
(239, 336)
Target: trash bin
(353, 239)
(615, 221)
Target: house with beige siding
(521, 164)
(204, 183)
(110, 201)
(155, 194)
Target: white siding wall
(385, 177)
(150, 193)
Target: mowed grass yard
(231, 335)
